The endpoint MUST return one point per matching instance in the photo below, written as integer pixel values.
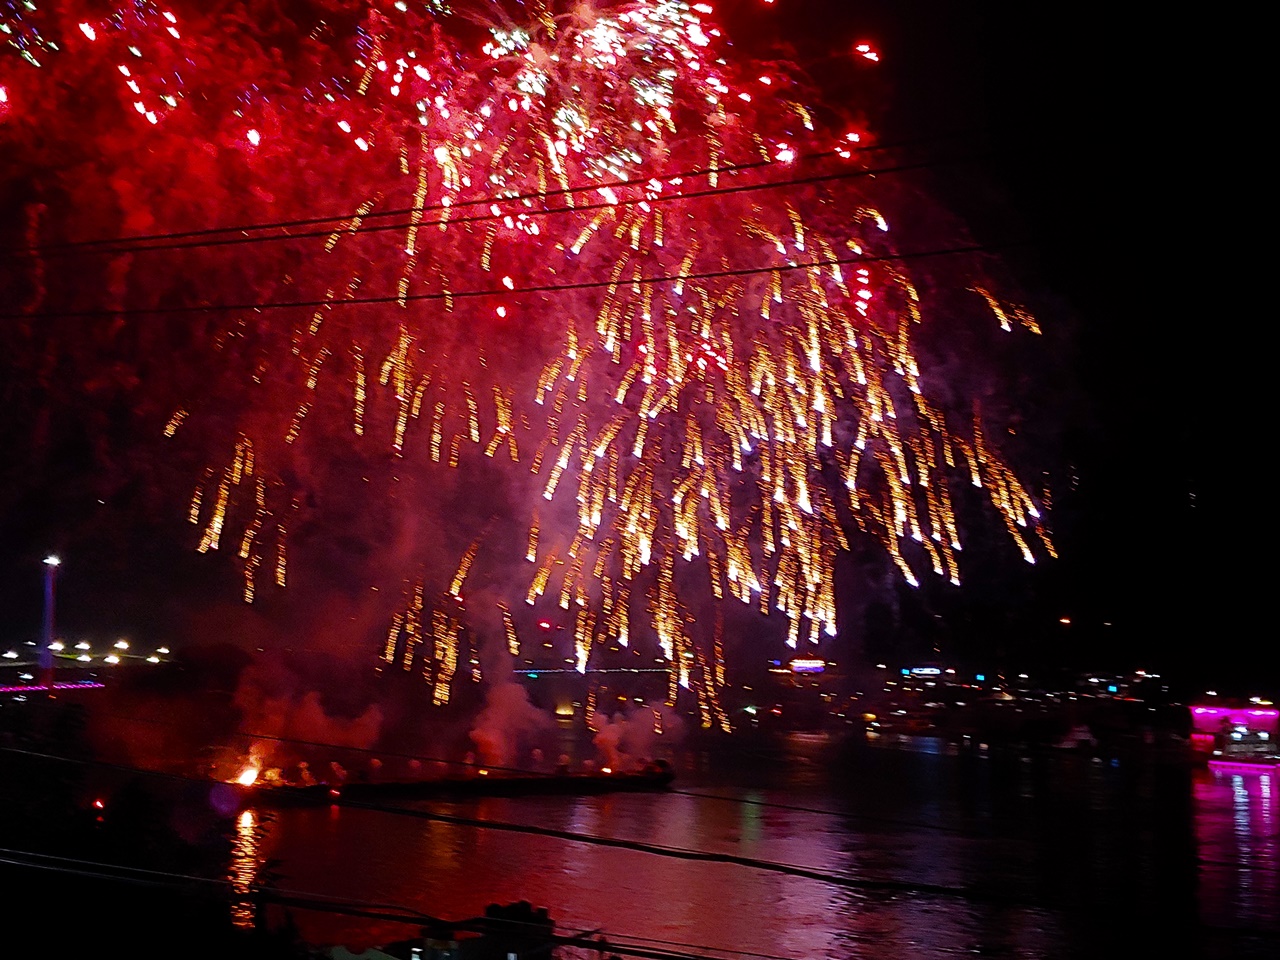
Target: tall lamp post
(46, 638)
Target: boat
(1235, 737)
(1079, 738)
(656, 775)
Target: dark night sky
(1072, 106)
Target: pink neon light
(1244, 766)
(36, 687)
(1231, 711)
(1210, 719)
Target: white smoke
(507, 725)
(627, 741)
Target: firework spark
(593, 252)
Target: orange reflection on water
(243, 870)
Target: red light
(544, 624)
(98, 804)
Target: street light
(51, 564)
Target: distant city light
(808, 665)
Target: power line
(493, 217)
(46, 249)
(336, 221)
(476, 764)
(684, 853)
(224, 889)
(751, 954)
(527, 772)
(679, 853)
(515, 291)
(796, 808)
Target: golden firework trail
(600, 255)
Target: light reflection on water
(1236, 828)
(246, 863)
(1049, 857)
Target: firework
(590, 252)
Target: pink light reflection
(37, 687)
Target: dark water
(918, 849)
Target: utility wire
(225, 889)
(491, 217)
(684, 853)
(745, 801)
(679, 853)
(796, 808)
(516, 291)
(336, 221)
(46, 249)
(528, 772)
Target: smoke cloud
(627, 741)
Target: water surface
(913, 849)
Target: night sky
(1055, 117)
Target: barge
(656, 775)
